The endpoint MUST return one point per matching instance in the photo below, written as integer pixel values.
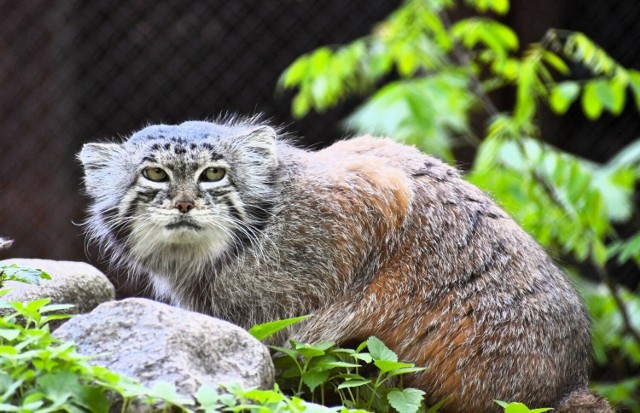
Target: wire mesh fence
(74, 71)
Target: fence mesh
(74, 71)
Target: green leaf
(405, 370)
(427, 112)
(582, 49)
(58, 387)
(562, 95)
(436, 407)
(14, 272)
(604, 93)
(353, 383)
(478, 30)
(9, 385)
(37, 305)
(167, 391)
(301, 105)
(308, 350)
(295, 73)
(391, 366)
(9, 334)
(591, 104)
(599, 251)
(263, 396)
(55, 307)
(366, 357)
(93, 399)
(634, 82)
(289, 352)
(515, 407)
(207, 397)
(313, 379)
(266, 330)
(618, 90)
(341, 364)
(500, 6)
(8, 351)
(630, 249)
(555, 61)
(405, 401)
(379, 351)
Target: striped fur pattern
(373, 237)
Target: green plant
(323, 371)
(427, 76)
(14, 272)
(520, 408)
(38, 373)
(237, 399)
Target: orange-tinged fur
(474, 341)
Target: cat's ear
(97, 155)
(262, 137)
(262, 141)
(100, 174)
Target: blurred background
(78, 71)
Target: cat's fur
(373, 237)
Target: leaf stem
(612, 286)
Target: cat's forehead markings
(203, 151)
(150, 158)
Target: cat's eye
(212, 174)
(155, 174)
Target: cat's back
(455, 285)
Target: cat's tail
(583, 401)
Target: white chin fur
(154, 241)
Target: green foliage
(520, 408)
(14, 272)
(610, 338)
(40, 374)
(266, 330)
(408, 109)
(425, 76)
(236, 399)
(323, 371)
(568, 213)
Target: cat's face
(197, 185)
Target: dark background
(78, 71)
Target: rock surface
(76, 283)
(151, 342)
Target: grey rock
(76, 283)
(151, 342)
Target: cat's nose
(184, 206)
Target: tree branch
(612, 286)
